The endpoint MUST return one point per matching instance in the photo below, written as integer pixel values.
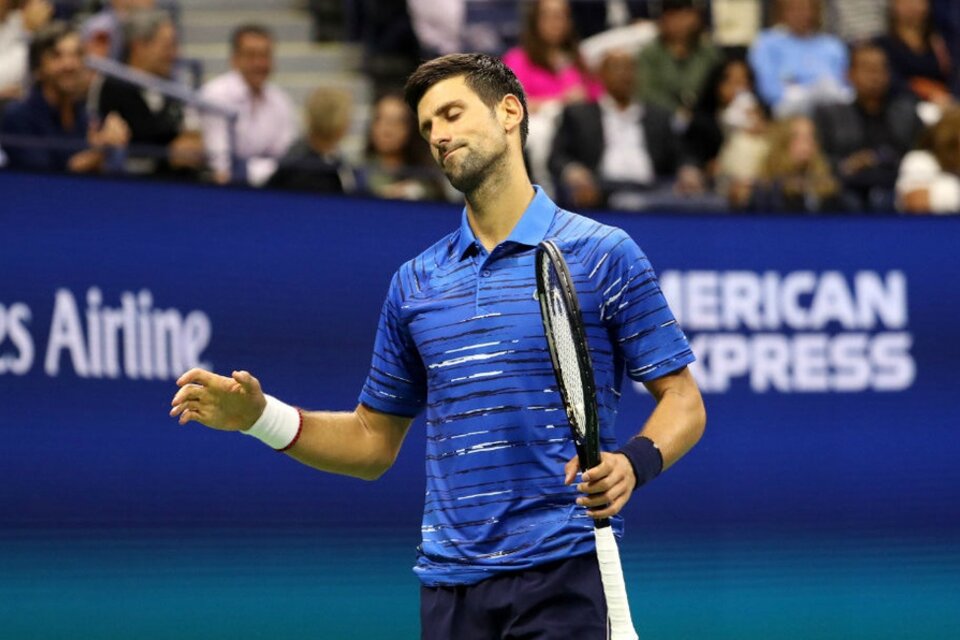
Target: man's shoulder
(583, 235)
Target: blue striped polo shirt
(460, 335)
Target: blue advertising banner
(825, 353)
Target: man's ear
(510, 112)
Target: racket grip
(614, 588)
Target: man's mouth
(446, 155)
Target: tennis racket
(567, 342)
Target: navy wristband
(644, 457)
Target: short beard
(474, 171)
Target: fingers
(188, 411)
(247, 381)
(188, 392)
(570, 470)
(197, 376)
(607, 486)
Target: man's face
(799, 15)
(253, 59)
(61, 68)
(869, 74)
(466, 137)
(160, 52)
(618, 75)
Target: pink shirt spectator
(541, 84)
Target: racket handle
(614, 588)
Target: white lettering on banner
(13, 328)
(795, 332)
(133, 340)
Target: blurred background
(232, 184)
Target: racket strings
(566, 348)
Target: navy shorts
(559, 600)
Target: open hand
(227, 404)
(608, 486)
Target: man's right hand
(227, 404)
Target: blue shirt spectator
(796, 65)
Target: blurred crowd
(702, 105)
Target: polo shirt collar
(530, 230)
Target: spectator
(726, 137)
(171, 145)
(796, 176)
(108, 24)
(553, 73)
(398, 162)
(797, 65)
(54, 111)
(548, 61)
(705, 135)
(267, 123)
(866, 140)
(672, 69)
(739, 165)
(919, 58)
(607, 153)
(317, 163)
(929, 179)
(16, 26)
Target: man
(267, 119)
(507, 547)
(797, 65)
(168, 144)
(609, 153)
(49, 130)
(108, 24)
(317, 163)
(866, 140)
(671, 70)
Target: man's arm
(362, 443)
(676, 424)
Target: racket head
(569, 353)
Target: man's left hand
(608, 486)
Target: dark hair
(485, 75)
(142, 26)
(415, 151)
(868, 45)
(246, 30)
(46, 39)
(708, 103)
(538, 51)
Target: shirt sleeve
(637, 316)
(396, 383)
(764, 59)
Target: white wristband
(278, 426)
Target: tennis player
(508, 546)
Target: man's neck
(622, 103)
(872, 106)
(495, 207)
(61, 104)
